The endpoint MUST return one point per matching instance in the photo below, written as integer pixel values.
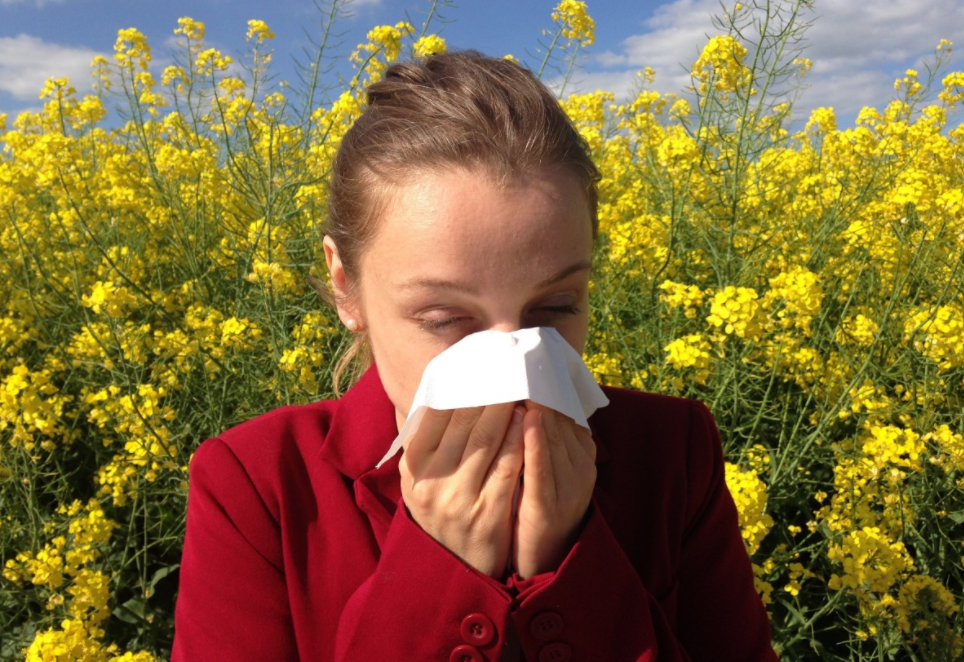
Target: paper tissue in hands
(490, 367)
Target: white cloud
(27, 62)
(857, 47)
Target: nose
(509, 323)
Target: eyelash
(441, 324)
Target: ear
(340, 285)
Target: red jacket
(297, 549)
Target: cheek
(401, 358)
(576, 334)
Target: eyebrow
(440, 283)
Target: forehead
(468, 220)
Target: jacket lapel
(362, 428)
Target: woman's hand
(458, 475)
(558, 480)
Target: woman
(464, 200)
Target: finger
(586, 443)
(487, 434)
(559, 437)
(537, 472)
(484, 444)
(580, 456)
(503, 471)
(451, 448)
(424, 440)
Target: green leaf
(133, 611)
(957, 517)
(158, 576)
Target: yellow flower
(190, 28)
(132, 49)
(720, 65)
(605, 368)
(575, 22)
(734, 309)
(796, 295)
(429, 45)
(108, 297)
(211, 60)
(691, 352)
(678, 295)
(938, 334)
(258, 31)
(750, 496)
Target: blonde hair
(459, 109)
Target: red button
(466, 653)
(477, 629)
(555, 652)
(546, 625)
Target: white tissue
(490, 367)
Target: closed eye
(440, 323)
(569, 309)
(443, 323)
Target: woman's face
(456, 253)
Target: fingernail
(517, 415)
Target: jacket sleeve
(595, 606)
(424, 603)
(232, 599)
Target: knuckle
(483, 435)
(465, 418)
(434, 416)
(418, 495)
(555, 436)
(504, 470)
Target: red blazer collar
(363, 427)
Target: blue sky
(857, 47)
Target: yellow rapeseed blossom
(720, 65)
(110, 298)
(938, 335)
(131, 49)
(735, 311)
(919, 596)
(859, 330)
(797, 296)
(678, 295)
(575, 22)
(869, 560)
(383, 47)
(690, 353)
(605, 368)
(190, 28)
(210, 60)
(750, 495)
(430, 44)
(258, 31)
